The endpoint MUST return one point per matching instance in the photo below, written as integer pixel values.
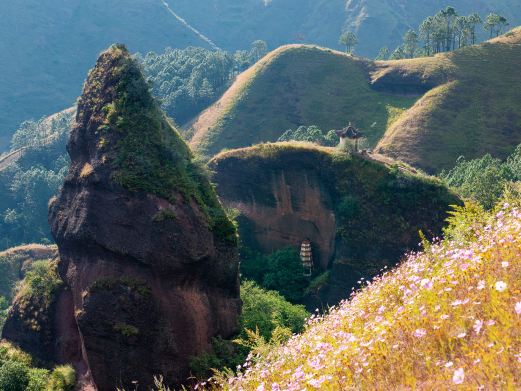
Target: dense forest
(188, 80)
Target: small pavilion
(350, 132)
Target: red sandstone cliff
(147, 255)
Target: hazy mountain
(47, 46)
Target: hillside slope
(476, 111)
(426, 111)
(48, 45)
(448, 318)
(357, 212)
(292, 86)
(47, 48)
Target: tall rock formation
(360, 212)
(148, 257)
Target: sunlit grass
(448, 317)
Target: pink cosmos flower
(500, 286)
(426, 283)
(459, 376)
(478, 324)
(419, 333)
(517, 308)
(504, 264)
(481, 285)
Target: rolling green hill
(477, 110)
(425, 111)
(47, 46)
(292, 86)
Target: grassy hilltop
(425, 111)
(476, 111)
(292, 86)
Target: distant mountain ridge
(47, 46)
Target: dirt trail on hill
(190, 27)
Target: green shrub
(38, 379)
(285, 274)
(63, 378)
(265, 310)
(9, 352)
(484, 180)
(14, 376)
(311, 134)
(41, 280)
(126, 330)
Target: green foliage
(495, 24)
(484, 180)
(14, 376)
(38, 379)
(267, 320)
(224, 354)
(265, 310)
(447, 31)
(280, 271)
(62, 378)
(111, 283)
(284, 274)
(4, 309)
(16, 373)
(311, 134)
(188, 80)
(318, 282)
(41, 281)
(126, 330)
(9, 352)
(27, 185)
(349, 40)
(383, 54)
(165, 214)
(464, 221)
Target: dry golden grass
(292, 86)
(447, 318)
(475, 108)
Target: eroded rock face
(279, 206)
(147, 255)
(359, 213)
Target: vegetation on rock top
(146, 151)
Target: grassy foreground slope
(477, 110)
(448, 317)
(292, 86)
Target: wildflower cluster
(446, 318)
